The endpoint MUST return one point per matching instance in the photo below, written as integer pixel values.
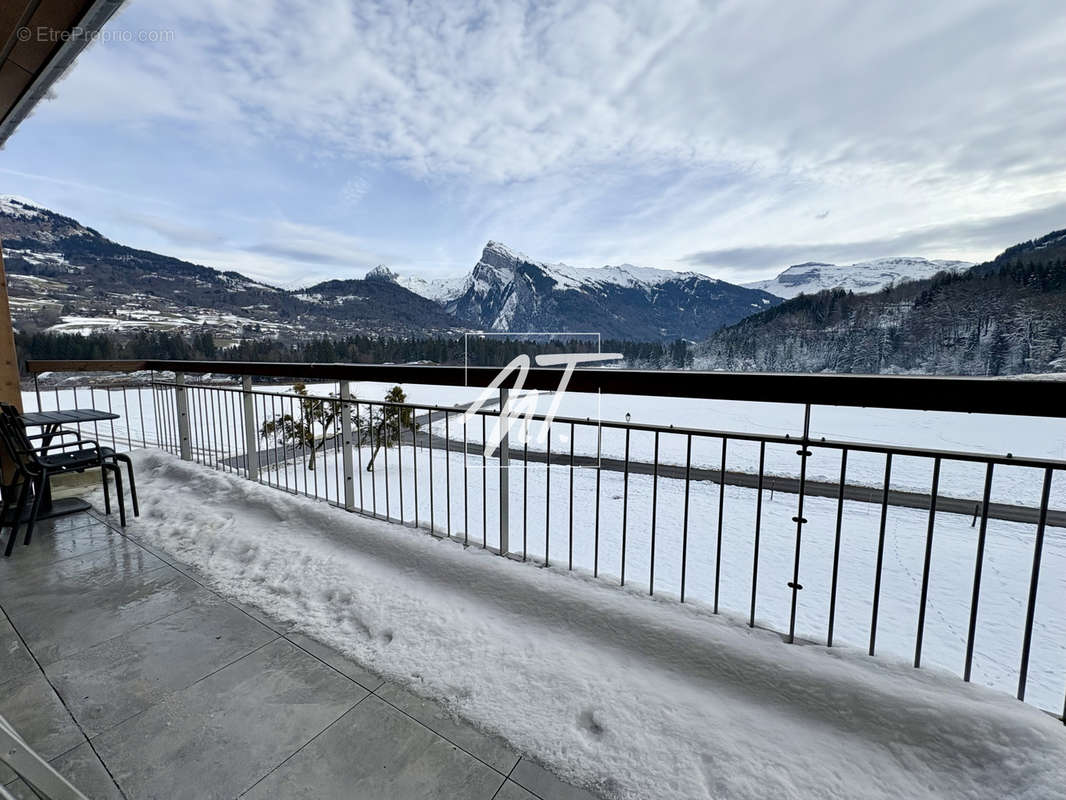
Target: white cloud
(640, 131)
(354, 190)
(278, 251)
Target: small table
(51, 422)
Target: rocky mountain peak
(381, 273)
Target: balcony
(687, 608)
(128, 671)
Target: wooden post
(10, 389)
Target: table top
(71, 417)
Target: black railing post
(625, 508)
(1034, 580)
(934, 490)
(978, 566)
(836, 548)
(432, 488)
(880, 552)
(654, 514)
(466, 486)
(571, 507)
(758, 530)
(804, 453)
(596, 533)
(721, 520)
(684, 525)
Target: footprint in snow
(587, 721)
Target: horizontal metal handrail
(1031, 397)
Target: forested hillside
(481, 351)
(1004, 317)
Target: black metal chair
(107, 452)
(33, 467)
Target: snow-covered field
(538, 496)
(632, 696)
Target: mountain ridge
(861, 277)
(1006, 316)
(508, 291)
(68, 277)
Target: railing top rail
(1040, 397)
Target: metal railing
(40, 776)
(683, 510)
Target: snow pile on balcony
(626, 695)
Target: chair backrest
(13, 439)
(10, 462)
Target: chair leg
(24, 494)
(9, 494)
(35, 509)
(133, 485)
(107, 490)
(121, 496)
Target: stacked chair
(28, 468)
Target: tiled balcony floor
(137, 681)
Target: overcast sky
(291, 141)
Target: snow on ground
(631, 696)
(473, 514)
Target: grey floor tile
(104, 553)
(545, 785)
(337, 660)
(15, 659)
(66, 523)
(59, 619)
(123, 676)
(36, 713)
(217, 737)
(85, 772)
(49, 545)
(512, 791)
(493, 750)
(376, 753)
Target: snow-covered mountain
(67, 278)
(439, 290)
(508, 291)
(861, 277)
